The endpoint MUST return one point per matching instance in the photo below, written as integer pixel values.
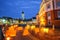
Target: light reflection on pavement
(20, 33)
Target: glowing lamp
(8, 38)
(32, 27)
(45, 30)
(26, 32)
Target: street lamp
(44, 30)
(4, 21)
(8, 38)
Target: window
(46, 1)
(58, 14)
(58, 3)
(48, 6)
(49, 23)
(48, 16)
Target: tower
(22, 15)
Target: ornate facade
(49, 13)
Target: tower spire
(23, 15)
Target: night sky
(13, 8)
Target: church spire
(23, 15)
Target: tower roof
(22, 12)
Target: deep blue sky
(13, 8)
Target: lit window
(58, 3)
(58, 14)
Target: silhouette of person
(1, 33)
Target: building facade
(37, 19)
(8, 20)
(49, 13)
